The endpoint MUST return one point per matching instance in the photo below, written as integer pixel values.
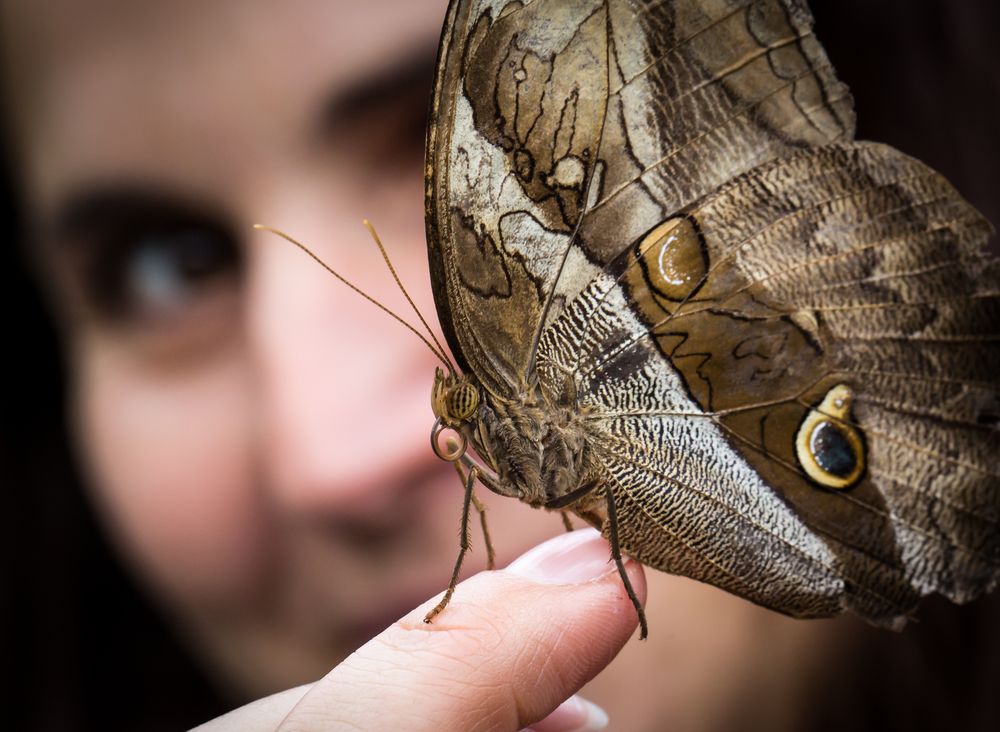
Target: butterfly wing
(697, 362)
(543, 108)
(571, 141)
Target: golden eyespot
(829, 448)
(673, 259)
(462, 400)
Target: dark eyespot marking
(828, 446)
(832, 450)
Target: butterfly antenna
(399, 284)
(436, 351)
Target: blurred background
(925, 75)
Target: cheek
(169, 458)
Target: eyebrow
(370, 94)
(118, 206)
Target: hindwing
(843, 265)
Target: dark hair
(81, 647)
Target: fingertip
(512, 646)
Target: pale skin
(256, 435)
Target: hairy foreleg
(464, 546)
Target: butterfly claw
(567, 524)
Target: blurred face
(256, 433)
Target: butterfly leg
(481, 510)
(616, 554)
(464, 546)
(567, 524)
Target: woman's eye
(383, 124)
(412, 124)
(164, 273)
(156, 277)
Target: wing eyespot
(673, 259)
(830, 450)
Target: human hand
(507, 653)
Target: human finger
(509, 649)
(262, 715)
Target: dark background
(82, 648)
(926, 78)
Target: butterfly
(688, 307)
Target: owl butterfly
(688, 307)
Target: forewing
(625, 110)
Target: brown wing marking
(519, 104)
(703, 100)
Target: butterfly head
(454, 398)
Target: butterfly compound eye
(828, 447)
(462, 401)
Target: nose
(343, 402)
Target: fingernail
(591, 717)
(571, 558)
(576, 714)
